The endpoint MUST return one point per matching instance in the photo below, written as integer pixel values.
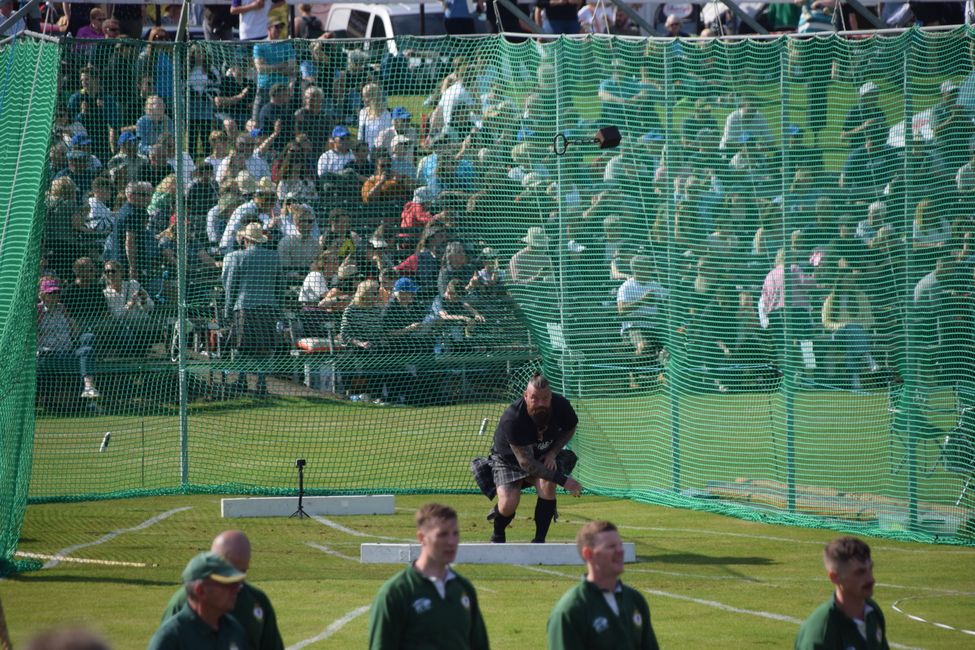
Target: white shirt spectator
(228, 242)
(253, 24)
(965, 179)
(645, 315)
(596, 18)
(332, 162)
(100, 218)
(256, 166)
(371, 127)
(739, 124)
(118, 301)
(456, 98)
(313, 289)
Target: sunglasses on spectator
(111, 271)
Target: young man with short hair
(601, 612)
(850, 619)
(427, 604)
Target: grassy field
(711, 581)
(843, 441)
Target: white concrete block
(555, 553)
(365, 504)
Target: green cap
(210, 565)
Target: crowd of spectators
(309, 192)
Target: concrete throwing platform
(555, 553)
(367, 504)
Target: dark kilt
(506, 472)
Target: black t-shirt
(516, 427)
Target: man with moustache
(528, 450)
(601, 612)
(850, 619)
(427, 605)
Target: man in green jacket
(601, 612)
(211, 585)
(427, 605)
(850, 619)
(253, 609)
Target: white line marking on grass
(896, 607)
(112, 535)
(710, 603)
(332, 628)
(330, 551)
(940, 550)
(80, 560)
(349, 531)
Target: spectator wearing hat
(81, 142)
(403, 316)
(79, 171)
(259, 209)
(253, 609)
(56, 331)
(275, 62)
(865, 118)
(402, 160)
(417, 215)
(338, 156)
(674, 27)
(211, 585)
(401, 126)
(128, 165)
(252, 282)
(532, 264)
(743, 124)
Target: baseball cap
(340, 132)
(51, 285)
(80, 140)
(256, 133)
(127, 136)
(792, 129)
(406, 284)
(78, 154)
(400, 113)
(212, 566)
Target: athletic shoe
(498, 539)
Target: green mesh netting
(28, 71)
(759, 303)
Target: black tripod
(300, 512)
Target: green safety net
(354, 253)
(28, 73)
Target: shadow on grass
(695, 559)
(36, 577)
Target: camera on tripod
(300, 463)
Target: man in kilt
(529, 450)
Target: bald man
(253, 609)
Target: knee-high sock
(544, 511)
(500, 523)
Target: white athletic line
(112, 535)
(332, 628)
(711, 603)
(774, 582)
(330, 551)
(895, 606)
(940, 550)
(355, 533)
(79, 560)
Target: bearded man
(529, 450)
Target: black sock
(544, 511)
(500, 523)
